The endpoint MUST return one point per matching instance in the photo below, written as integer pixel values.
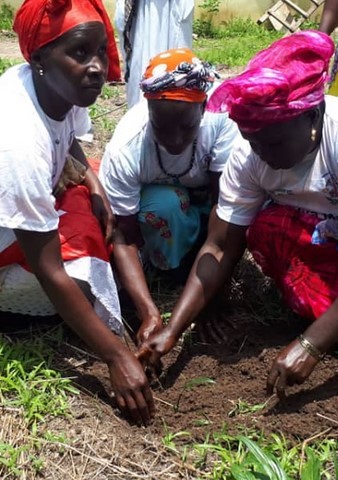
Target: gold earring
(313, 134)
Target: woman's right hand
(131, 388)
(159, 344)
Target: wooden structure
(288, 15)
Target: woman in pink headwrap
(279, 196)
(54, 232)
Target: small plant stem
(305, 444)
(327, 418)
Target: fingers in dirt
(277, 380)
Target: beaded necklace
(176, 176)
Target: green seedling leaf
(268, 463)
(238, 473)
(311, 469)
(195, 382)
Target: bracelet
(310, 348)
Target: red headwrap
(279, 83)
(39, 22)
(177, 74)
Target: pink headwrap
(279, 83)
(39, 22)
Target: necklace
(176, 176)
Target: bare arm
(329, 18)
(212, 269)
(42, 251)
(100, 203)
(127, 240)
(294, 364)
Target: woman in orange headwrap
(161, 172)
(278, 196)
(53, 254)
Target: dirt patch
(239, 367)
(9, 47)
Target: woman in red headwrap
(164, 152)
(53, 253)
(279, 196)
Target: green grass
(5, 64)
(32, 391)
(251, 456)
(29, 383)
(234, 43)
(6, 17)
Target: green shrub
(6, 17)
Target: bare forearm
(329, 19)
(211, 271)
(131, 275)
(74, 308)
(323, 333)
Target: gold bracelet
(310, 348)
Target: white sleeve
(82, 121)
(225, 136)
(240, 197)
(26, 196)
(120, 178)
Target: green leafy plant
(5, 64)
(204, 26)
(6, 17)
(241, 407)
(27, 380)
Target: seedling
(241, 407)
(189, 385)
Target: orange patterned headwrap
(177, 74)
(39, 22)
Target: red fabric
(306, 274)
(39, 22)
(79, 231)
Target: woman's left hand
(100, 205)
(149, 326)
(292, 366)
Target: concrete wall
(228, 8)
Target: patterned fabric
(281, 242)
(177, 75)
(279, 83)
(39, 22)
(170, 224)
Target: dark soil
(255, 327)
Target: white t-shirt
(130, 160)
(33, 150)
(311, 185)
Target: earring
(40, 72)
(313, 134)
